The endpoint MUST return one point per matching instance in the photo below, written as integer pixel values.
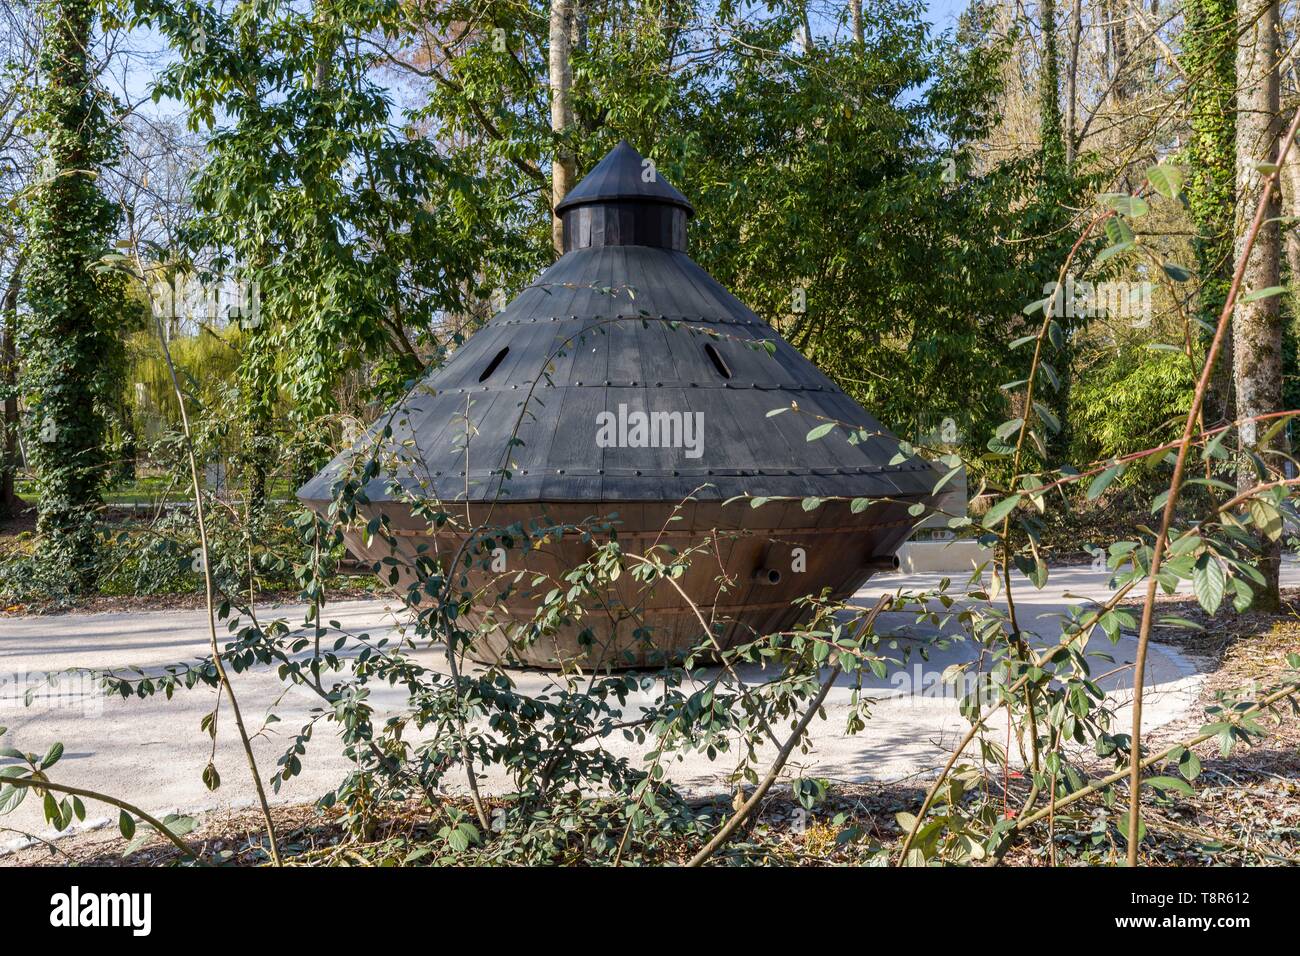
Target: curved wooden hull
(747, 580)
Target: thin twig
(1175, 486)
(748, 807)
(111, 801)
(1104, 782)
(207, 586)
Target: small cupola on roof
(624, 201)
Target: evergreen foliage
(68, 340)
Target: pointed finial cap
(624, 176)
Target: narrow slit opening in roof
(716, 359)
(492, 365)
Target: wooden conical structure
(627, 384)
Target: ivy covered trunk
(1257, 323)
(1209, 52)
(1054, 189)
(257, 393)
(9, 503)
(65, 334)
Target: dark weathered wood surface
(623, 174)
(734, 542)
(613, 325)
(623, 319)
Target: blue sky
(944, 13)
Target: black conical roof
(631, 328)
(623, 175)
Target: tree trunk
(257, 393)
(1209, 54)
(9, 380)
(1053, 175)
(1121, 89)
(1257, 326)
(67, 332)
(1072, 82)
(564, 166)
(1049, 92)
(1291, 204)
(855, 11)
